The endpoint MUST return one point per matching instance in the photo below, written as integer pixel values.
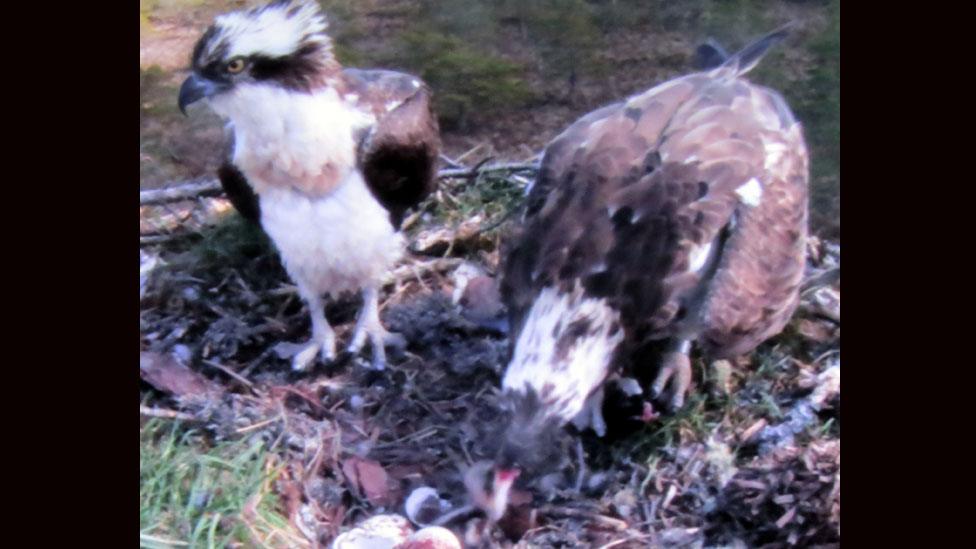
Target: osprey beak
(196, 88)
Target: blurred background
(509, 75)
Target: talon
(368, 326)
(323, 338)
(677, 401)
(661, 380)
(328, 352)
(676, 368)
(306, 356)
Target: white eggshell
(379, 532)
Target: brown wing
(235, 185)
(755, 289)
(638, 203)
(398, 155)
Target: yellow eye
(235, 65)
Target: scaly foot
(368, 326)
(323, 347)
(323, 338)
(676, 365)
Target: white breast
(335, 243)
(296, 133)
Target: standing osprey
(675, 217)
(328, 159)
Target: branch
(211, 187)
(164, 413)
(511, 167)
(180, 191)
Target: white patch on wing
(390, 105)
(698, 257)
(774, 151)
(270, 30)
(566, 380)
(750, 192)
(342, 241)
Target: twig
(622, 541)
(471, 151)
(169, 542)
(511, 167)
(569, 512)
(183, 191)
(230, 372)
(451, 515)
(164, 413)
(176, 192)
(410, 270)
(819, 280)
(450, 161)
(258, 425)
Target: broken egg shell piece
(378, 532)
(432, 537)
(424, 505)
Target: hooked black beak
(196, 88)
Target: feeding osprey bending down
(328, 159)
(678, 216)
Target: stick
(451, 515)
(622, 541)
(164, 413)
(450, 161)
(211, 187)
(512, 167)
(569, 512)
(230, 372)
(184, 191)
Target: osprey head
(281, 44)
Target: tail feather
(748, 57)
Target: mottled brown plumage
(629, 193)
(676, 217)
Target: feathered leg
(323, 338)
(368, 325)
(676, 364)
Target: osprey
(327, 159)
(676, 217)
